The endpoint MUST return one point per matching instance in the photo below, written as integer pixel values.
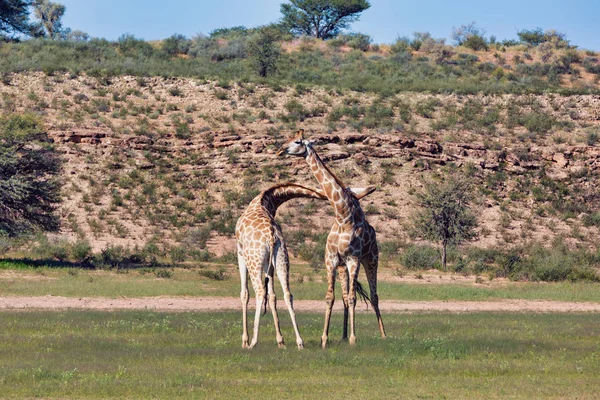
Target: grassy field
(198, 355)
(17, 280)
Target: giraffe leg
(331, 266)
(260, 298)
(261, 293)
(371, 265)
(343, 278)
(273, 305)
(283, 273)
(353, 267)
(244, 297)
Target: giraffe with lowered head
(351, 241)
(262, 249)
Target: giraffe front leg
(353, 267)
(329, 298)
(343, 278)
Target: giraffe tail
(266, 300)
(272, 257)
(360, 290)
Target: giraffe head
(296, 146)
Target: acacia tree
(50, 15)
(29, 189)
(469, 36)
(445, 215)
(322, 19)
(264, 50)
(14, 18)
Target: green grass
(77, 282)
(197, 355)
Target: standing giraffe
(351, 241)
(261, 249)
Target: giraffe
(351, 241)
(261, 249)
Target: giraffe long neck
(333, 188)
(274, 197)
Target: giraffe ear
(362, 192)
(300, 134)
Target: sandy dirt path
(199, 304)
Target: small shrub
(81, 250)
(420, 257)
(476, 42)
(163, 273)
(219, 275)
(175, 91)
(178, 254)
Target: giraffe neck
(275, 196)
(343, 204)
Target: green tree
(29, 166)
(50, 15)
(264, 51)
(445, 215)
(14, 18)
(176, 44)
(469, 36)
(323, 19)
(533, 37)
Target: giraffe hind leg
(260, 292)
(244, 297)
(370, 265)
(273, 304)
(282, 264)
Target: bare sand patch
(201, 304)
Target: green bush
(218, 275)
(475, 42)
(314, 252)
(360, 41)
(420, 257)
(537, 122)
(176, 44)
(163, 273)
(81, 250)
(111, 256)
(178, 254)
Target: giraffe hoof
(281, 345)
(352, 341)
(300, 346)
(323, 344)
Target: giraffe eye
(298, 142)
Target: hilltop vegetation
(348, 62)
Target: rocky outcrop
(559, 162)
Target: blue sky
(384, 21)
